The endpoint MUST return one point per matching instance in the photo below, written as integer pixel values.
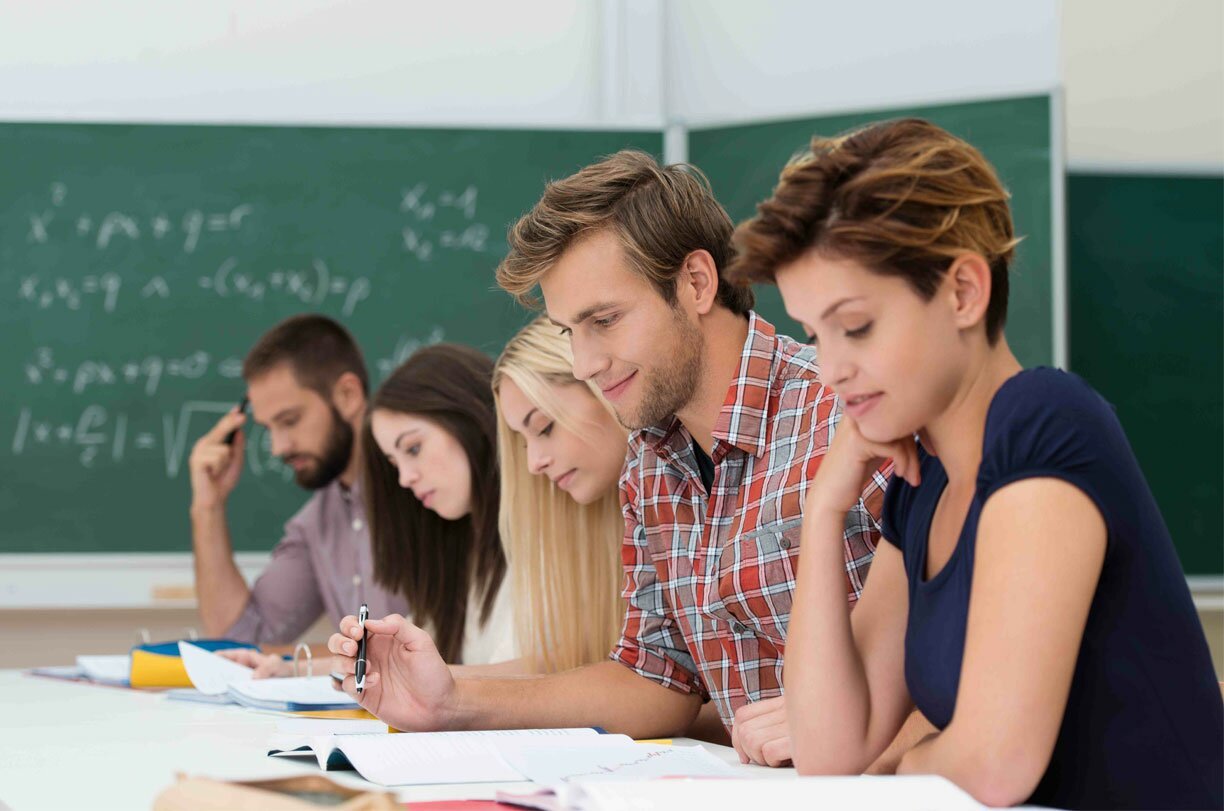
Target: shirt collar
(349, 494)
(742, 421)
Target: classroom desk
(68, 745)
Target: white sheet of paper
(107, 669)
(329, 726)
(441, 757)
(209, 673)
(610, 757)
(304, 690)
(908, 793)
(425, 758)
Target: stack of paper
(113, 670)
(106, 669)
(69, 672)
(298, 694)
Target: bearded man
(307, 385)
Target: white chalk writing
(98, 436)
(145, 372)
(110, 228)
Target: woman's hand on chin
(852, 458)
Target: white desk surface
(69, 745)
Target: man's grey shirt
(323, 564)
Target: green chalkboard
(743, 163)
(1146, 278)
(139, 262)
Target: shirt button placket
(358, 525)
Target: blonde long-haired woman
(561, 452)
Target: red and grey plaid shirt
(710, 578)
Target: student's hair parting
(563, 557)
(660, 215)
(435, 563)
(903, 197)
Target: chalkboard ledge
(112, 580)
(117, 580)
(1207, 591)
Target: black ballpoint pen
(362, 616)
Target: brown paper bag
(306, 793)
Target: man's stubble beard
(669, 389)
(334, 459)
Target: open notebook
(217, 680)
(422, 758)
(557, 763)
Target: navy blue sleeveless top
(1144, 723)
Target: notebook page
(209, 673)
(425, 758)
(555, 764)
(320, 734)
(320, 747)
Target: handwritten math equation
(313, 285)
(145, 373)
(137, 425)
(98, 435)
(437, 221)
(426, 210)
(107, 229)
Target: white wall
(730, 60)
(327, 61)
(1145, 84)
(1145, 79)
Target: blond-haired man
(729, 421)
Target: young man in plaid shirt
(729, 421)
